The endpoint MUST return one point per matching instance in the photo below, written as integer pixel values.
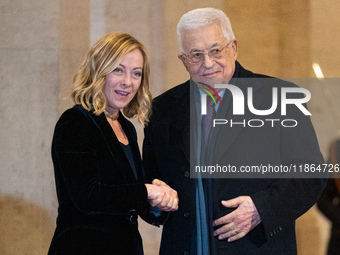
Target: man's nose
(208, 61)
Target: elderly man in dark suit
(227, 215)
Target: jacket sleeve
(77, 154)
(149, 158)
(151, 171)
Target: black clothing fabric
(129, 155)
(166, 155)
(99, 196)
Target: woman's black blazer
(98, 193)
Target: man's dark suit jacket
(166, 155)
(99, 196)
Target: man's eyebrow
(195, 50)
(212, 46)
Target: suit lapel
(113, 144)
(181, 119)
(224, 136)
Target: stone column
(29, 72)
(39, 46)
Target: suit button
(186, 215)
(280, 228)
(186, 253)
(271, 234)
(187, 174)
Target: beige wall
(29, 84)
(43, 42)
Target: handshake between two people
(162, 196)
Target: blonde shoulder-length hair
(102, 59)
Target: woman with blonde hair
(97, 164)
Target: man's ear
(234, 46)
(181, 57)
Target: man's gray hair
(203, 17)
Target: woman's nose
(127, 80)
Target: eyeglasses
(197, 57)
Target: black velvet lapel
(113, 143)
